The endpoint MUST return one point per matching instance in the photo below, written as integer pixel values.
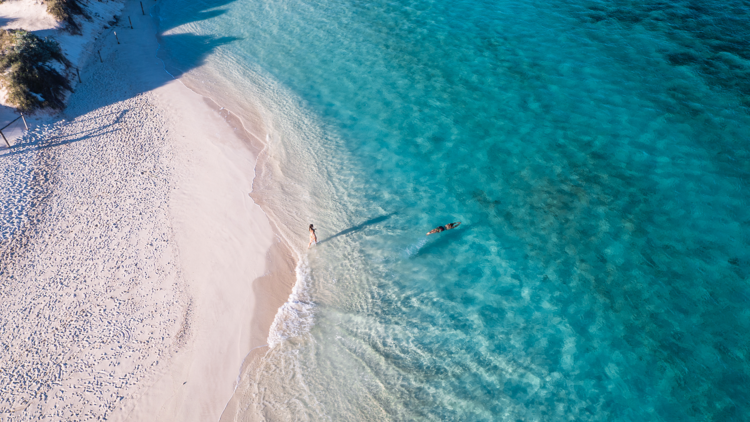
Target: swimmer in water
(313, 237)
(444, 228)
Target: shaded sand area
(134, 265)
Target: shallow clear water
(596, 153)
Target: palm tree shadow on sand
(359, 227)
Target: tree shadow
(184, 52)
(6, 21)
(188, 51)
(359, 227)
(177, 62)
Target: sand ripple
(90, 302)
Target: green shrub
(63, 11)
(26, 71)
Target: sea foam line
(295, 317)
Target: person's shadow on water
(358, 227)
(442, 240)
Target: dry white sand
(134, 274)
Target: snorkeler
(313, 237)
(444, 228)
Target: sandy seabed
(136, 272)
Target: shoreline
(224, 270)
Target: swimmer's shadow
(359, 227)
(445, 239)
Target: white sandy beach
(134, 265)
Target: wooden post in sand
(78, 72)
(118, 40)
(100, 55)
(131, 22)
(142, 11)
(24, 120)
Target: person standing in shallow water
(441, 228)
(313, 237)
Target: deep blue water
(595, 152)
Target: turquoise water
(596, 153)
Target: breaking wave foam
(295, 317)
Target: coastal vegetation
(27, 72)
(64, 10)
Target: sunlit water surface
(596, 153)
